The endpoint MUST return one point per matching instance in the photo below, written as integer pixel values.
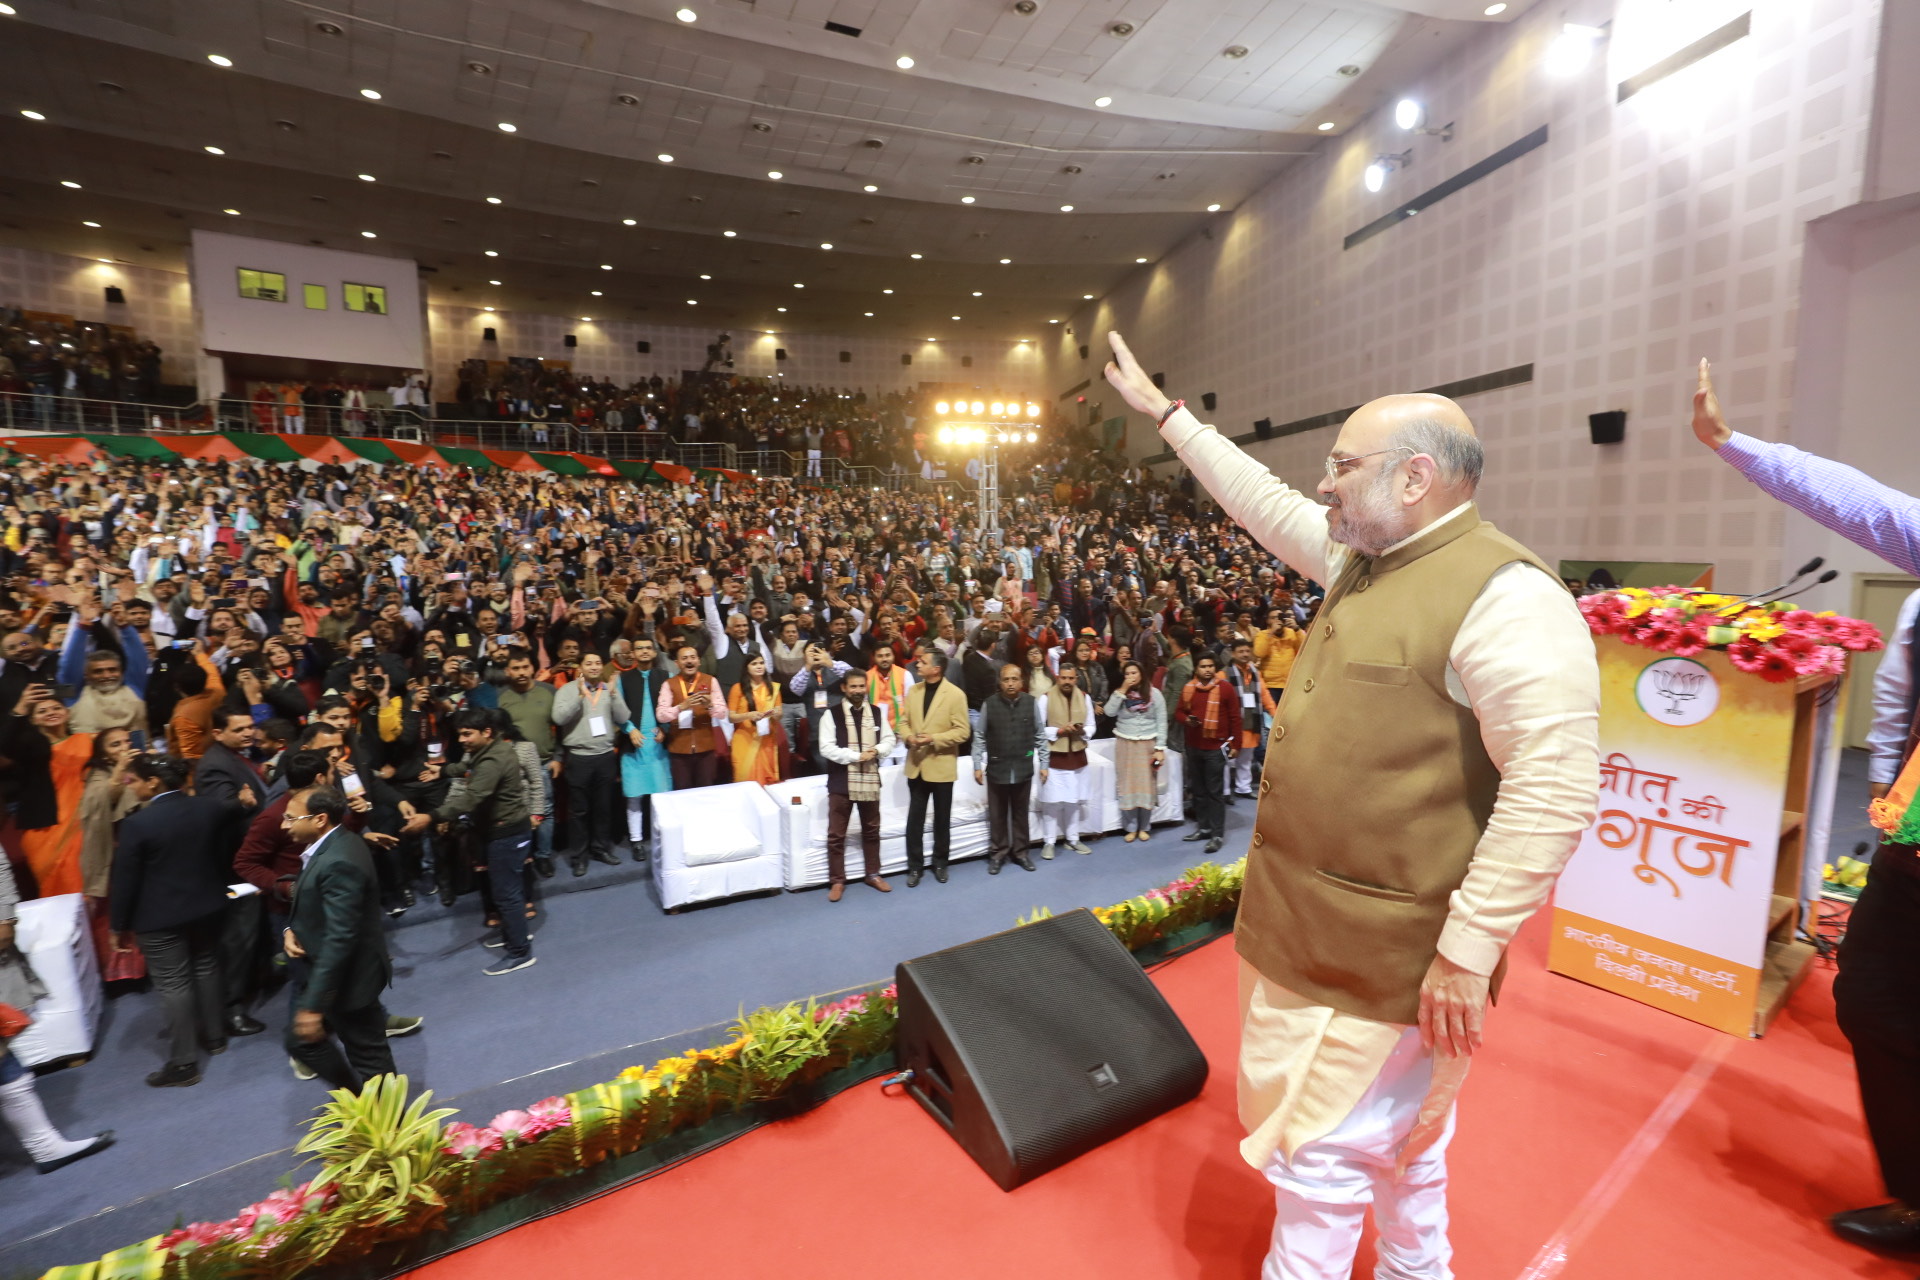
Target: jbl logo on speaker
(1103, 1077)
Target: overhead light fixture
(94, 225)
(705, 276)
(1376, 176)
(486, 308)
(493, 282)
(1103, 101)
(219, 60)
(779, 308)
(628, 222)
(1142, 260)
(214, 151)
(1327, 126)
(693, 302)
(904, 62)
(664, 158)
(869, 188)
(1006, 261)
(953, 317)
(231, 212)
(1494, 10)
(966, 199)
(686, 15)
(490, 199)
(1213, 208)
(1409, 114)
(606, 266)
(978, 408)
(596, 293)
(493, 253)
(1572, 49)
(588, 319)
(1066, 208)
(775, 174)
(505, 127)
(109, 261)
(370, 235)
(1053, 322)
(371, 95)
(976, 293)
(825, 245)
(869, 313)
(886, 291)
(35, 115)
(70, 184)
(729, 234)
(1086, 297)
(7, 11)
(914, 256)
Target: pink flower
(546, 1115)
(197, 1235)
(890, 992)
(511, 1125)
(469, 1142)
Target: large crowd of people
(49, 365)
(484, 677)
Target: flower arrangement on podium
(1774, 640)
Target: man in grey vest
(1428, 774)
(1009, 736)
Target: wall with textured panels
(159, 303)
(607, 349)
(1641, 236)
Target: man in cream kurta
(1345, 1110)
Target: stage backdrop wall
(606, 348)
(159, 304)
(1640, 237)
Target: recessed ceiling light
(509, 128)
(779, 308)
(493, 282)
(976, 293)
(219, 60)
(1006, 261)
(869, 188)
(1327, 126)
(966, 199)
(606, 266)
(367, 177)
(1213, 208)
(490, 199)
(588, 319)
(596, 293)
(825, 245)
(798, 285)
(729, 234)
(103, 259)
(1066, 208)
(869, 313)
(214, 151)
(369, 235)
(664, 158)
(705, 276)
(493, 253)
(90, 224)
(775, 174)
(956, 317)
(886, 291)
(371, 95)
(1494, 10)
(486, 308)
(628, 222)
(1103, 101)
(933, 339)
(1139, 259)
(69, 182)
(693, 302)
(914, 256)
(686, 15)
(1053, 322)
(904, 62)
(6, 11)
(35, 115)
(233, 212)
(1087, 296)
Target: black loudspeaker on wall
(571, 341)
(1035, 1046)
(1160, 381)
(779, 353)
(644, 348)
(1262, 428)
(906, 357)
(1208, 400)
(114, 294)
(1083, 351)
(1609, 427)
(488, 335)
(846, 357)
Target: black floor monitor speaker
(1037, 1045)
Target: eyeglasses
(1336, 467)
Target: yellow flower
(1641, 604)
(1704, 601)
(1765, 631)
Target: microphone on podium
(1786, 588)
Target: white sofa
(54, 935)
(716, 842)
(804, 824)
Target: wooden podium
(1693, 889)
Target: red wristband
(1177, 404)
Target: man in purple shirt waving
(1877, 992)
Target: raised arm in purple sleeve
(1835, 496)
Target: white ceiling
(998, 106)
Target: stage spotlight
(978, 408)
(1572, 49)
(1033, 411)
(945, 434)
(1033, 437)
(940, 408)
(1376, 176)
(997, 409)
(1409, 114)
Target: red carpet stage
(1599, 1139)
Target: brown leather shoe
(833, 893)
(880, 883)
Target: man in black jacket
(226, 776)
(1010, 734)
(338, 947)
(169, 889)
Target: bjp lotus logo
(1677, 691)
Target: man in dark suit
(338, 947)
(169, 889)
(227, 776)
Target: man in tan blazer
(935, 725)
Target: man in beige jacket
(934, 726)
(1428, 774)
